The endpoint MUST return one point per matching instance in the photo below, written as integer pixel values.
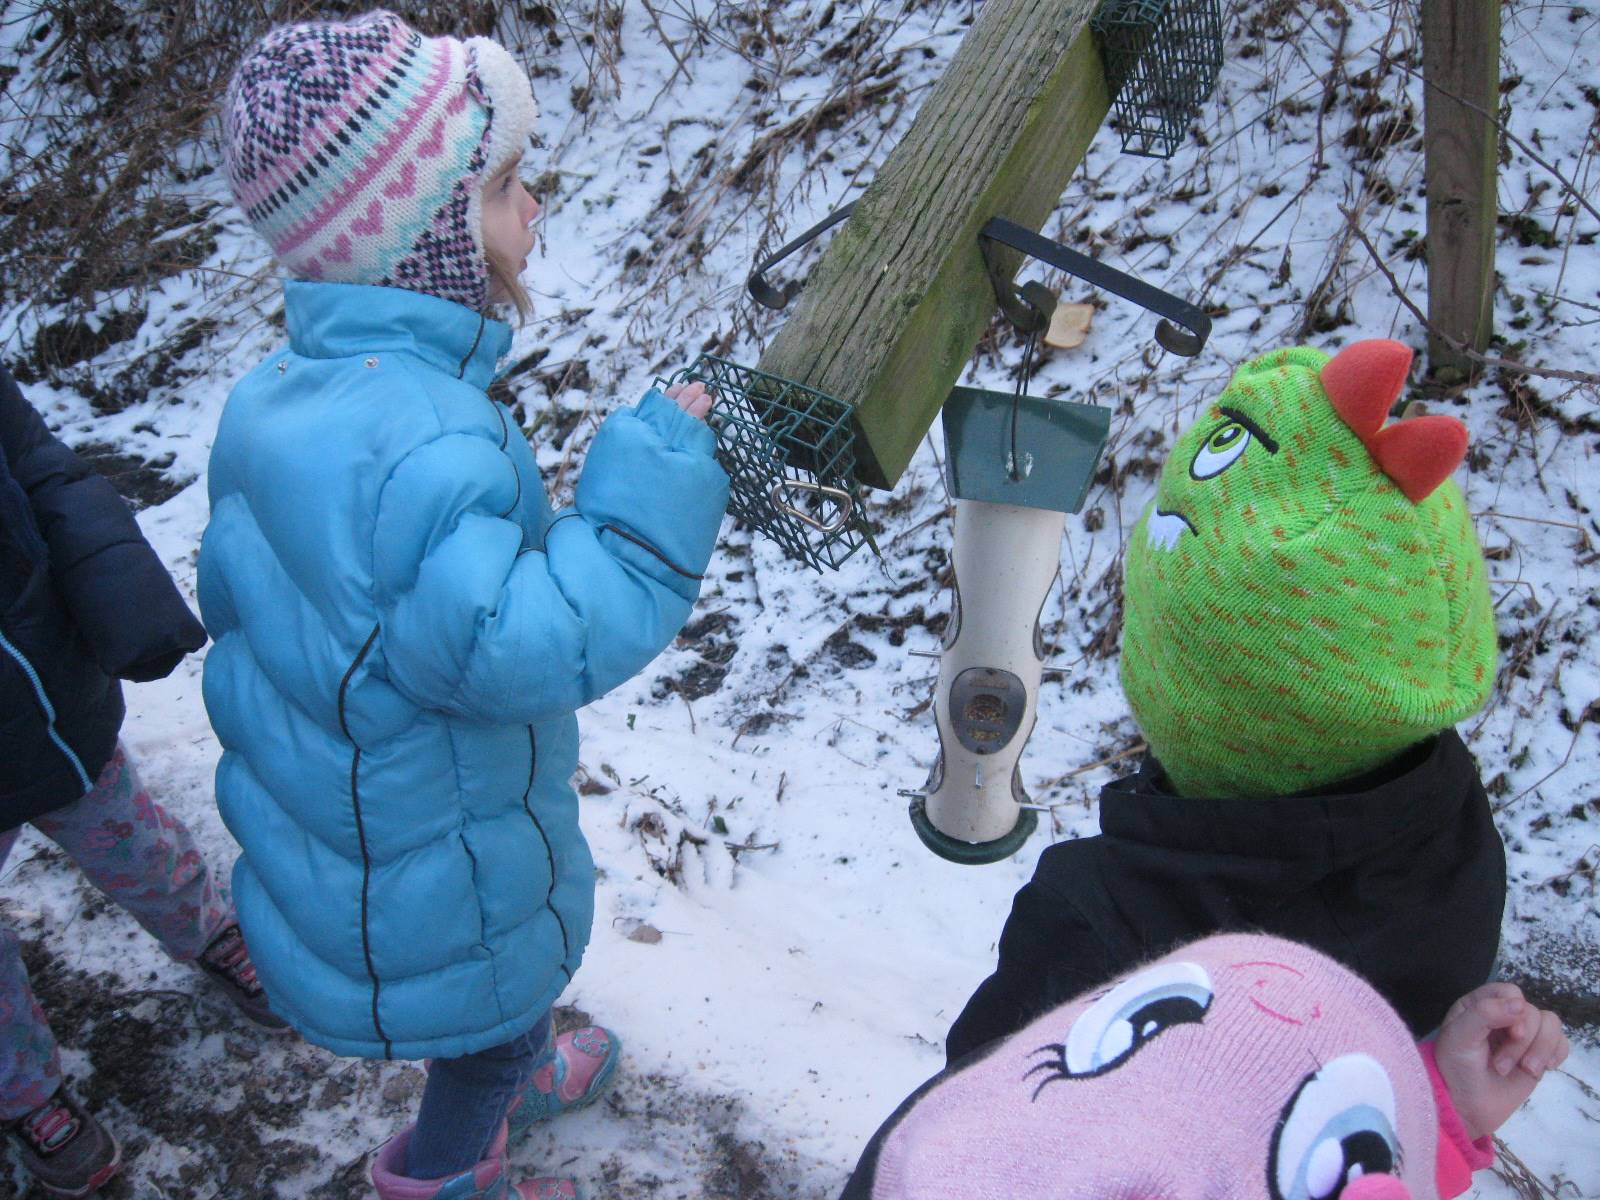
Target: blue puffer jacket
(403, 632)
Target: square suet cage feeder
(789, 451)
(1161, 61)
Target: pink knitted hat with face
(359, 151)
(1243, 1067)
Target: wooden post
(890, 315)
(1460, 62)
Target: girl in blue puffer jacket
(403, 630)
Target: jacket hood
(1396, 804)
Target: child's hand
(1492, 1050)
(691, 397)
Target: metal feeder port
(789, 451)
(1161, 61)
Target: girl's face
(508, 214)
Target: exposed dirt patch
(206, 1107)
(212, 1110)
(723, 1161)
(713, 640)
(143, 483)
(1560, 973)
(72, 340)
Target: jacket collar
(341, 320)
(1423, 790)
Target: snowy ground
(741, 796)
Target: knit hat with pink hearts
(1242, 1066)
(359, 151)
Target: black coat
(1399, 874)
(84, 601)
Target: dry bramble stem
(1504, 364)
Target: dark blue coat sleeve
(114, 586)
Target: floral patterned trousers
(135, 852)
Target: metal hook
(1022, 305)
(777, 298)
(845, 501)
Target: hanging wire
(1014, 464)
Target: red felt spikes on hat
(1363, 381)
(1420, 453)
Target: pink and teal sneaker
(582, 1065)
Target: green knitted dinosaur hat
(1305, 596)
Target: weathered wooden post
(1461, 74)
(888, 321)
(890, 315)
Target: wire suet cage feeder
(1161, 61)
(789, 451)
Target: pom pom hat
(359, 151)
(1305, 597)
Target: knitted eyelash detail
(1056, 1065)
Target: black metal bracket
(777, 298)
(1029, 307)
(1183, 328)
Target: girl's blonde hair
(504, 275)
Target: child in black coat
(84, 602)
(1306, 618)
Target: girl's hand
(691, 397)
(1492, 1050)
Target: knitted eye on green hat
(1305, 596)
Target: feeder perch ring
(972, 854)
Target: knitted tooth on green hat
(1305, 596)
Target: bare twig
(938, 514)
(1519, 1177)
(1504, 364)
(682, 68)
(1567, 184)
(1126, 752)
(1560, 766)
(1490, 512)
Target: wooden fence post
(1460, 63)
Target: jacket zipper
(49, 711)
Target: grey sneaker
(227, 961)
(68, 1152)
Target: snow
(813, 955)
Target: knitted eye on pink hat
(359, 151)
(1241, 1066)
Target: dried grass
(94, 166)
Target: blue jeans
(466, 1099)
